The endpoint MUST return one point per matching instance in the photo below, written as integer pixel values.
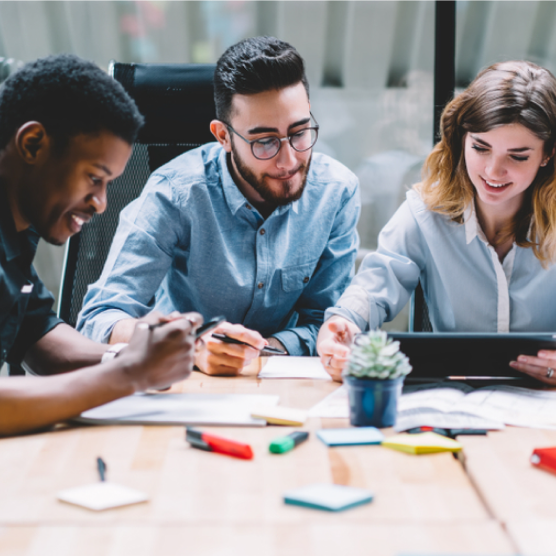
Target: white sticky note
(102, 496)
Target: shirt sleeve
(139, 258)
(388, 276)
(332, 275)
(38, 320)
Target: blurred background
(370, 66)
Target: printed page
(513, 405)
(438, 405)
(294, 367)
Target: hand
(157, 358)
(542, 367)
(215, 357)
(334, 344)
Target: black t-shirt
(25, 304)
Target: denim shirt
(25, 304)
(192, 242)
(466, 287)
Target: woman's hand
(334, 344)
(542, 367)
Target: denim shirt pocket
(295, 278)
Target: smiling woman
(479, 233)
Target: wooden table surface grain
(202, 503)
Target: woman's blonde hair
(516, 92)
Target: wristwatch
(112, 352)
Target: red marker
(211, 443)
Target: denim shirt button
(262, 231)
(260, 285)
(248, 206)
(306, 279)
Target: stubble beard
(261, 186)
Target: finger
(334, 349)
(194, 318)
(547, 354)
(243, 334)
(536, 361)
(337, 326)
(233, 350)
(141, 334)
(539, 372)
(223, 365)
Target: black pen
(268, 349)
(101, 466)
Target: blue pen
(101, 466)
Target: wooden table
(208, 504)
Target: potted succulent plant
(374, 377)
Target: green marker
(284, 444)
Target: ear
(32, 142)
(221, 133)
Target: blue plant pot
(373, 403)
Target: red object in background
(545, 458)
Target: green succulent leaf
(375, 356)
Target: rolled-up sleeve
(139, 258)
(387, 277)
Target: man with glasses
(255, 227)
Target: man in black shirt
(66, 130)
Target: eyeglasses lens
(268, 147)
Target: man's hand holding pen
(228, 357)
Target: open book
(457, 405)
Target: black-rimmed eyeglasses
(269, 146)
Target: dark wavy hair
(254, 66)
(516, 92)
(68, 96)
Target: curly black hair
(255, 65)
(68, 96)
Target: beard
(285, 194)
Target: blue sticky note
(333, 498)
(351, 436)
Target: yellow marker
(278, 415)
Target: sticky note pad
(424, 443)
(351, 436)
(101, 496)
(333, 498)
(279, 415)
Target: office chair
(419, 320)
(178, 105)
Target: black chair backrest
(178, 105)
(419, 320)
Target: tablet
(464, 354)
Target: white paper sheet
(334, 406)
(294, 367)
(181, 409)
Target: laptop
(473, 355)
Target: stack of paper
(180, 409)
